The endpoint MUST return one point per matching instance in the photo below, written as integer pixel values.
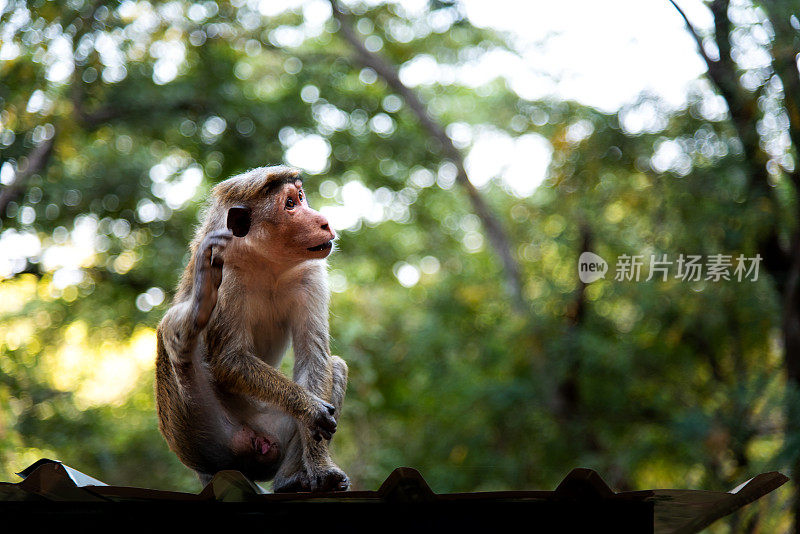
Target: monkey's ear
(239, 220)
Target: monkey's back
(170, 406)
(182, 416)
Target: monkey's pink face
(298, 232)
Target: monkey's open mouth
(325, 246)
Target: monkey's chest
(270, 341)
(267, 314)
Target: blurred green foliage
(653, 384)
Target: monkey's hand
(320, 420)
(208, 275)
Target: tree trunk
(495, 233)
(782, 265)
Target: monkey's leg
(307, 465)
(297, 474)
(339, 384)
(292, 477)
(323, 474)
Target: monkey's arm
(312, 357)
(242, 372)
(314, 370)
(184, 322)
(179, 333)
(310, 339)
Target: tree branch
(695, 34)
(34, 164)
(722, 72)
(494, 230)
(784, 52)
(92, 119)
(722, 29)
(743, 110)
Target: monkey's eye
(289, 203)
(300, 195)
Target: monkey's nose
(323, 223)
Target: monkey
(255, 282)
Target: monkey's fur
(222, 404)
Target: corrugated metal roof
(55, 492)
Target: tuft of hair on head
(254, 184)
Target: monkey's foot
(296, 483)
(329, 478)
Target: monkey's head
(268, 209)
